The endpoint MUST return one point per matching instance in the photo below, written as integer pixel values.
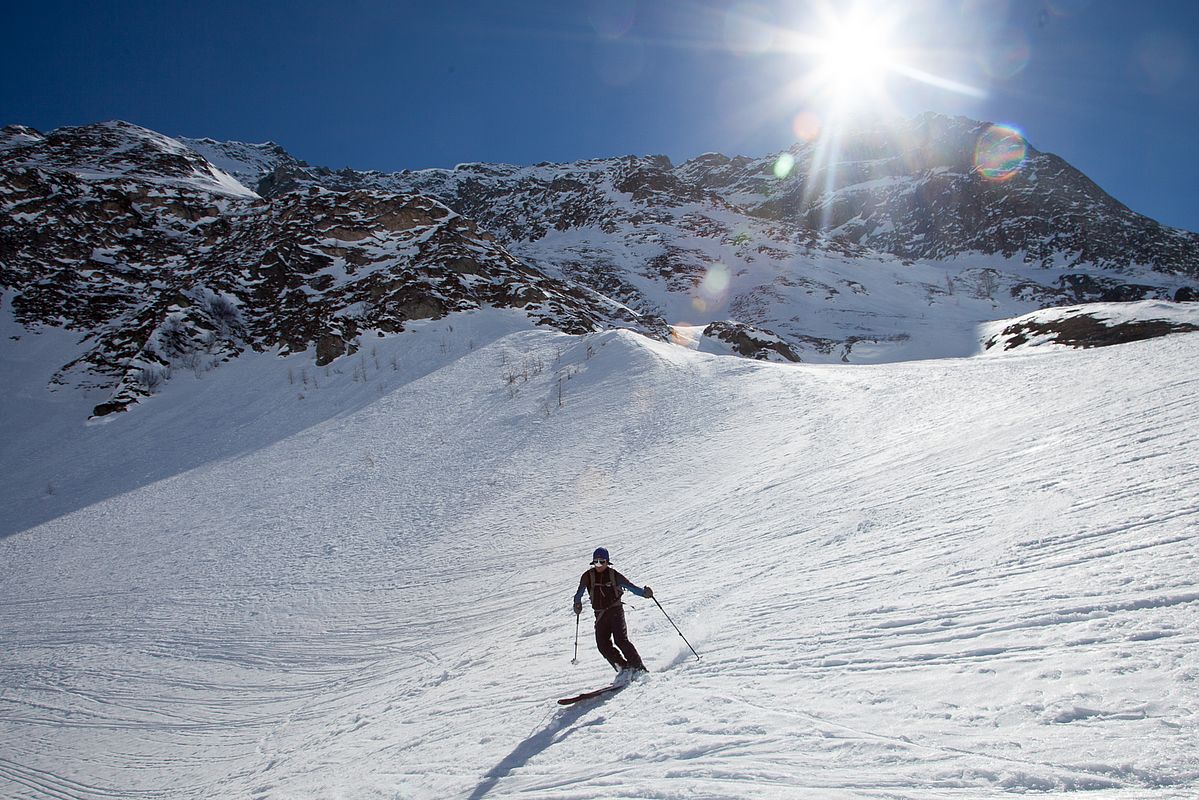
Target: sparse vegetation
(151, 378)
(988, 282)
(222, 311)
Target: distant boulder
(751, 342)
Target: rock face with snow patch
(167, 254)
(118, 154)
(751, 342)
(918, 191)
(1097, 325)
(158, 267)
(915, 191)
(802, 242)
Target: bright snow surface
(939, 579)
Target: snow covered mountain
(377, 424)
(1030, 228)
(964, 578)
(117, 154)
(161, 262)
(919, 190)
(898, 245)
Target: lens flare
(1163, 60)
(683, 334)
(612, 19)
(806, 126)
(1006, 55)
(784, 165)
(1000, 153)
(715, 283)
(712, 291)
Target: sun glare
(855, 55)
(853, 61)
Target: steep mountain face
(943, 187)
(138, 244)
(918, 191)
(165, 254)
(117, 154)
(801, 243)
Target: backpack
(595, 590)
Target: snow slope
(937, 579)
(54, 460)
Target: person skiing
(605, 585)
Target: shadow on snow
(556, 730)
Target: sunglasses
(600, 563)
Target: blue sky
(1110, 86)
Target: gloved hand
(649, 593)
(578, 608)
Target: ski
(615, 687)
(622, 681)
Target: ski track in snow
(941, 579)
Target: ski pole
(676, 628)
(575, 660)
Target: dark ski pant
(609, 626)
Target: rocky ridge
(181, 253)
(157, 267)
(805, 237)
(914, 191)
(1093, 325)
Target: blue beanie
(600, 554)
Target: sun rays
(851, 64)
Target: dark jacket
(605, 591)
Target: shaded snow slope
(53, 460)
(923, 580)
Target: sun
(857, 62)
(855, 54)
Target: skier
(604, 585)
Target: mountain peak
(895, 244)
(18, 136)
(117, 149)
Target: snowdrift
(961, 578)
